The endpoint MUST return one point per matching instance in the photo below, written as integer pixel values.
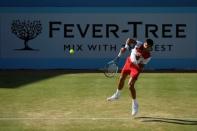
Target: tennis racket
(111, 68)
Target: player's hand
(130, 41)
(123, 50)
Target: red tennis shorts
(130, 69)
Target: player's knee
(131, 87)
(122, 78)
(131, 83)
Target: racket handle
(116, 59)
(122, 50)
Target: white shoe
(113, 97)
(134, 109)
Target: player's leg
(121, 82)
(133, 95)
(124, 73)
(132, 88)
(122, 79)
(133, 78)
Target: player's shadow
(168, 120)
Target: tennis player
(140, 55)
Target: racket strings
(111, 69)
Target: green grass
(56, 100)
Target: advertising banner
(95, 35)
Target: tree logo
(26, 30)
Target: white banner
(95, 35)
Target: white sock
(134, 101)
(117, 92)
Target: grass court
(69, 101)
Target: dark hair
(149, 42)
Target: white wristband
(119, 54)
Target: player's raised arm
(129, 43)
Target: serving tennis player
(140, 55)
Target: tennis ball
(71, 51)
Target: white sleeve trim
(126, 46)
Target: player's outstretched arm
(122, 50)
(129, 42)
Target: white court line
(74, 118)
(86, 118)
